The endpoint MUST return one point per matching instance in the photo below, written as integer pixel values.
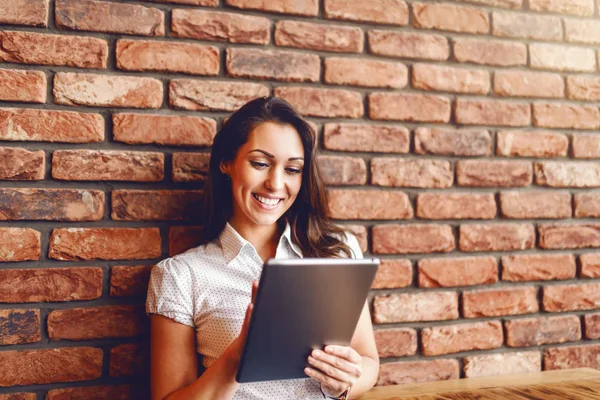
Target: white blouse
(209, 288)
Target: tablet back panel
(302, 304)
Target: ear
(224, 167)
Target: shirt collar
(232, 242)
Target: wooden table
(572, 384)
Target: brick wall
(458, 139)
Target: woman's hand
(337, 368)
(234, 350)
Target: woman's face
(266, 175)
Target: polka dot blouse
(209, 288)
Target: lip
(266, 196)
(264, 206)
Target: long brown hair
(310, 227)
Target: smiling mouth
(266, 201)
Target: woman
(264, 199)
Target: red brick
(117, 392)
(182, 238)
(25, 12)
(129, 280)
(173, 130)
(360, 232)
(191, 167)
(583, 88)
(409, 107)
(155, 205)
(583, 356)
(21, 85)
(413, 307)
(538, 331)
(582, 31)
(538, 267)
(535, 204)
(400, 373)
(51, 204)
(575, 7)
(396, 172)
(50, 284)
(18, 164)
(587, 205)
(569, 236)
(438, 340)
(269, 64)
(411, 239)
(450, 79)
(501, 364)
(103, 16)
(50, 126)
(341, 170)
(571, 297)
(497, 3)
(329, 103)
(569, 116)
(203, 3)
(562, 58)
(450, 17)
(527, 26)
(36, 367)
(86, 165)
(213, 95)
(457, 271)
(567, 174)
(369, 73)
(78, 89)
(366, 138)
(492, 112)
(496, 237)
(38, 48)
(307, 7)
(20, 326)
(590, 265)
(393, 12)
(396, 342)
(494, 173)
(453, 142)
(490, 52)
(220, 26)
(532, 144)
(19, 395)
(96, 323)
(393, 274)
(324, 37)
(585, 146)
(129, 359)
(146, 55)
(499, 302)
(105, 244)
(456, 206)
(368, 204)
(408, 45)
(592, 326)
(19, 244)
(528, 84)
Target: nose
(274, 181)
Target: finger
(247, 319)
(353, 370)
(331, 371)
(254, 290)
(345, 352)
(332, 384)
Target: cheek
(295, 186)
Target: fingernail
(307, 371)
(316, 353)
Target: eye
(293, 171)
(259, 165)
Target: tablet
(301, 305)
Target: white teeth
(264, 200)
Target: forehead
(283, 141)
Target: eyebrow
(272, 156)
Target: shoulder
(187, 262)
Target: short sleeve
(170, 292)
(352, 242)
